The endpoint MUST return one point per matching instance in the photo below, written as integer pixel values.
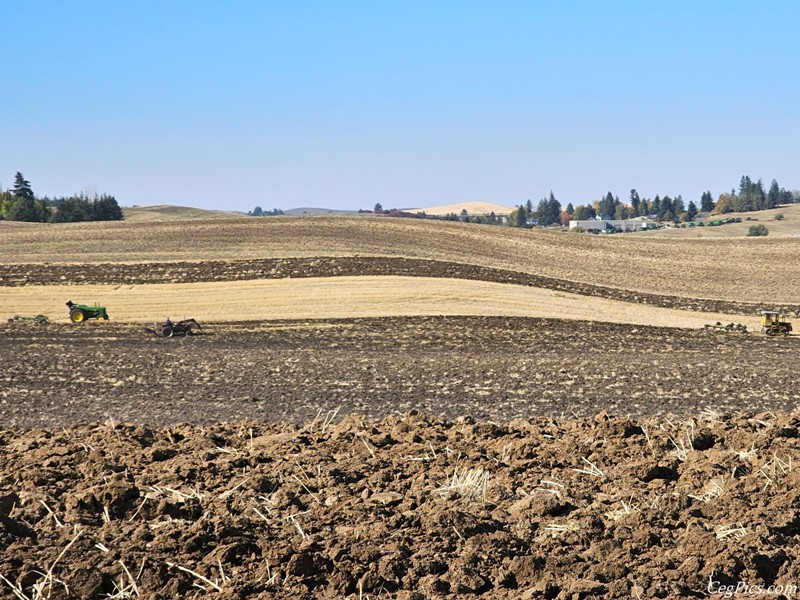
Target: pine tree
(608, 206)
(105, 208)
(22, 188)
(691, 210)
(635, 203)
(774, 195)
(27, 209)
(667, 211)
(543, 212)
(521, 218)
(707, 202)
(677, 205)
(553, 209)
(24, 205)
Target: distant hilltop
(472, 208)
(310, 210)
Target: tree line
(751, 196)
(21, 204)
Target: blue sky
(230, 105)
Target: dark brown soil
(489, 368)
(412, 506)
(279, 268)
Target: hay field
(751, 269)
(343, 297)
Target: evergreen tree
(677, 205)
(667, 211)
(608, 206)
(570, 209)
(22, 188)
(105, 208)
(71, 210)
(543, 213)
(635, 203)
(691, 210)
(24, 206)
(760, 195)
(553, 209)
(774, 195)
(656, 207)
(27, 209)
(521, 217)
(707, 202)
(751, 195)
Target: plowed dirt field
(410, 507)
(488, 368)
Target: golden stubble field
(344, 297)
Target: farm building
(613, 225)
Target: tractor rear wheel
(167, 331)
(77, 316)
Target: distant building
(613, 225)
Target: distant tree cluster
(657, 208)
(752, 196)
(259, 212)
(21, 204)
(548, 212)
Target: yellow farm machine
(774, 322)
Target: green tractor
(78, 313)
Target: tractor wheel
(77, 316)
(101, 318)
(167, 331)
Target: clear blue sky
(341, 104)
